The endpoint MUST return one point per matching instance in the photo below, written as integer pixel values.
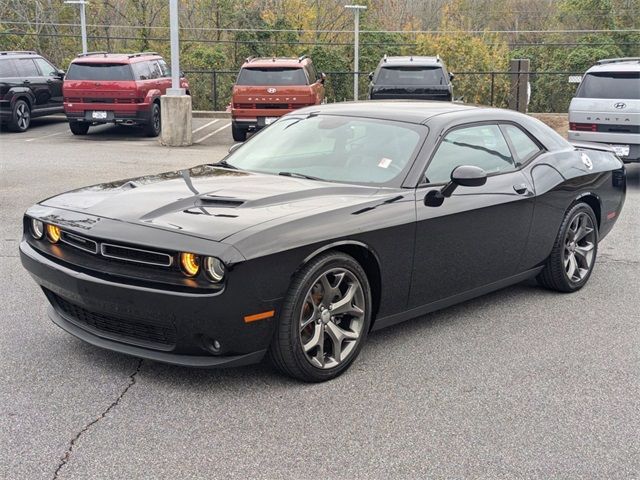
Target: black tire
(239, 134)
(79, 128)
(154, 127)
(20, 116)
(286, 351)
(554, 276)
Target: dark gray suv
(30, 86)
(411, 78)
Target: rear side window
(7, 69)
(26, 67)
(155, 69)
(481, 146)
(272, 76)
(99, 71)
(394, 76)
(141, 70)
(45, 67)
(613, 85)
(523, 146)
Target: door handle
(26, 82)
(522, 189)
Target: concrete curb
(210, 114)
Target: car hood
(208, 201)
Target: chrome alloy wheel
(331, 318)
(22, 116)
(579, 243)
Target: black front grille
(162, 337)
(130, 254)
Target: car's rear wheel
(20, 116)
(79, 128)
(239, 134)
(154, 127)
(324, 320)
(571, 262)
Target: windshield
(620, 85)
(333, 148)
(410, 76)
(272, 76)
(99, 71)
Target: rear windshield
(272, 76)
(411, 76)
(621, 85)
(99, 71)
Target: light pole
(356, 45)
(174, 30)
(83, 21)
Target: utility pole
(175, 49)
(83, 21)
(356, 45)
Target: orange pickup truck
(268, 88)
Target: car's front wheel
(324, 320)
(20, 116)
(571, 262)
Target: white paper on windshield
(384, 162)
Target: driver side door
(478, 235)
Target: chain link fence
(551, 92)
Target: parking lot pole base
(176, 120)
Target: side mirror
(451, 76)
(370, 76)
(323, 78)
(234, 147)
(182, 74)
(463, 176)
(58, 74)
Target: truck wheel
(239, 133)
(20, 116)
(154, 127)
(79, 128)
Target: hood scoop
(220, 201)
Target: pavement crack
(67, 455)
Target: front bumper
(162, 325)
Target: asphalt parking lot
(522, 383)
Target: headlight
(190, 264)
(53, 233)
(214, 269)
(37, 229)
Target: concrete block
(175, 111)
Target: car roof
(263, 62)
(411, 60)
(18, 54)
(417, 111)
(616, 65)
(124, 58)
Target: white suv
(606, 108)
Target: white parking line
(205, 126)
(45, 136)
(213, 133)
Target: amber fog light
(37, 229)
(190, 264)
(53, 233)
(214, 269)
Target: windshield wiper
(224, 164)
(300, 175)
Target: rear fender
(16, 93)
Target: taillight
(583, 127)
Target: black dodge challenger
(335, 221)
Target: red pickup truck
(268, 88)
(124, 89)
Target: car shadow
(37, 124)
(109, 132)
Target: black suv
(30, 86)
(413, 78)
